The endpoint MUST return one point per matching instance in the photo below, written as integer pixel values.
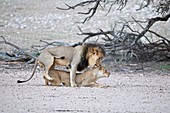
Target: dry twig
(91, 11)
(129, 42)
(16, 47)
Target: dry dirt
(131, 90)
(134, 88)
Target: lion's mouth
(96, 65)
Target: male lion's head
(92, 56)
(95, 54)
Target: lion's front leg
(95, 84)
(72, 76)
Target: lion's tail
(35, 66)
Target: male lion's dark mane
(84, 60)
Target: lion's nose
(108, 74)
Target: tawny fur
(86, 79)
(76, 58)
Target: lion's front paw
(106, 86)
(103, 86)
(73, 85)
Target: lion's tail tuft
(19, 81)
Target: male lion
(76, 58)
(87, 79)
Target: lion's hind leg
(48, 61)
(46, 70)
(50, 64)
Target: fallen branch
(160, 36)
(47, 44)
(129, 45)
(18, 48)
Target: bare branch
(54, 43)
(148, 2)
(163, 7)
(90, 34)
(81, 4)
(91, 12)
(159, 36)
(122, 4)
(150, 23)
(13, 45)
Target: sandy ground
(132, 89)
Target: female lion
(87, 79)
